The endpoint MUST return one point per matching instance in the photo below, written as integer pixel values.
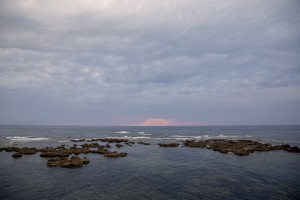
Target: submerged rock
(93, 145)
(113, 140)
(17, 155)
(169, 145)
(114, 154)
(77, 140)
(144, 143)
(119, 145)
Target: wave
(143, 133)
(130, 137)
(122, 132)
(207, 137)
(26, 138)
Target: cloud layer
(123, 62)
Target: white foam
(130, 137)
(26, 139)
(122, 132)
(143, 133)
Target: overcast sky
(145, 62)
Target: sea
(150, 171)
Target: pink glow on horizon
(166, 122)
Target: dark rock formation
(144, 143)
(119, 145)
(93, 145)
(238, 147)
(17, 155)
(129, 143)
(26, 150)
(169, 145)
(107, 146)
(114, 154)
(74, 161)
(77, 140)
(113, 140)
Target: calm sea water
(151, 172)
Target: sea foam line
(26, 138)
(122, 132)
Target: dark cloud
(112, 62)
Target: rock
(113, 140)
(17, 155)
(237, 147)
(169, 145)
(93, 145)
(192, 143)
(10, 149)
(74, 161)
(294, 149)
(26, 150)
(119, 145)
(144, 143)
(77, 140)
(114, 154)
(107, 146)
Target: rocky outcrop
(107, 146)
(144, 143)
(129, 143)
(74, 161)
(119, 145)
(77, 140)
(169, 145)
(237, 147)
(26, 150)
(114, 154)
(93, 145)
(17, 155)
(113, 140)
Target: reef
(238, 147)
(169, 145)
(58, 156)
(74, 161)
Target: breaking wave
(143, 133)
(130, 137)
(26, 138)
(122, 132)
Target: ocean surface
(150, 171)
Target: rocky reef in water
(238, 147)
(58, 156)
(74, 161)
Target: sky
(145, 62)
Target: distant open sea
(150, 171)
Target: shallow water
(151, 172)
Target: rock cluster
(74, 161)
(169, 145)
(58, 156)
(237, 147)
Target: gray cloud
(114, 63)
